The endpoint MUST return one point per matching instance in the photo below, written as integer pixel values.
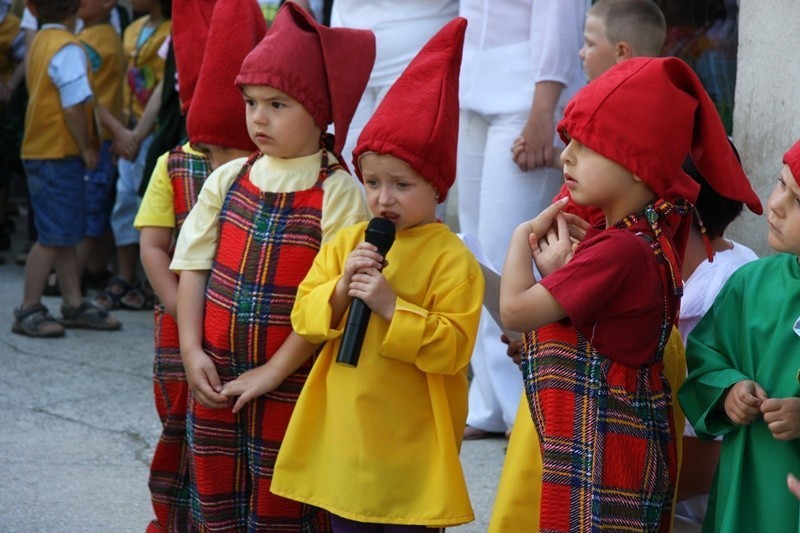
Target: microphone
(379, 232)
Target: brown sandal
(89, 315)
(36, 321)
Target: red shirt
(613, 294)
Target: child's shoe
(36, 321)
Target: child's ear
(623, 50)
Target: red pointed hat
(792, 158)
(417, 121)
(646, 114)
(217, 113)
(190, 22)
(325, 69)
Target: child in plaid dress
(599, 320)
(244, 249)
(214, 107)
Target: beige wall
(766, 119)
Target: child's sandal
(36, 321)
(89, 315)
(110, 298)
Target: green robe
(747, 334)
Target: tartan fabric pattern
(267, 243)
(169, 471)
(607, 439)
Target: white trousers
(494, 197)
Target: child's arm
(155, 244)
(125, 143)
(782, 416)
(201, 373)
(524, 304)
(75, 117)
(294, 351)
(150, 114)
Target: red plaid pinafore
(267, 243)
(606, 431)
(169, 470)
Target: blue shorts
(100, 193)
(126, 203)
(57, 189)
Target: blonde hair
(640, 23)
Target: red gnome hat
(646, 114)
(217, 113)
(417, 121)
(190, 22)
(325, 69)
(792, 158)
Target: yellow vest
(9, 29)
(145, 67)
(107, 61)
(46, 132)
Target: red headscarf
(217, 113)
(417, 121)
(325, 69)
(792, 158)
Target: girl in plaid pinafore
(600, 317)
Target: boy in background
(57, 150)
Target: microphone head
(380, 232)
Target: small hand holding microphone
(379, 232)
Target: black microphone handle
(354, 331)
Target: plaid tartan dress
(606, 432)
(267, 243)
(169, 471)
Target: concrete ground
(78, 427)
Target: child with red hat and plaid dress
(377, 445)
(216, 125)
(743, 378)
(600, 318)
(243, 250)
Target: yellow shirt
(343, 202)
(519, 494)
(46, 133)
(143, 64)
(380, 442)
(158, 208)
(107, 60)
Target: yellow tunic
(519, 494)
(107, 60)
(145, 67)
(380, 442)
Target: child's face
(783, 214)
(598, 53)
(218, 155)
(95, 11)
(278, 124)
(395, 191)
(595, 180)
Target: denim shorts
(126, 203)
(57, 190)
(100, 193)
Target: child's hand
(514, 350)
(251, 385)
(203, 379)
(577, 227)
(743, 402)
(126, 144)
(89, 156)
(554, 249)
(370, 285)
(365, 256)
(782, 416)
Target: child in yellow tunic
(379, 443)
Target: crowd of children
(251, 233)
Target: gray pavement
(78, 427)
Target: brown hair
(54, 11)
(639, 23)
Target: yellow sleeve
(197, 242)
(343, 204)
(439, 340)
(311, 314)
(157, 207)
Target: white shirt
(401, 29)
(511, 45)
(68, 70)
